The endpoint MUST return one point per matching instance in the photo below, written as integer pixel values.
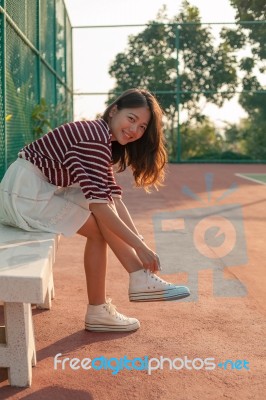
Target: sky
(94, 49)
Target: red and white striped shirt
(77, 152)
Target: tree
(199, 139)
(253, 10)
(150, 61)
(251, 37)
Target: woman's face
(128, 124)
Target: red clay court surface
(218, 327)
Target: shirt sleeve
(88, 164)
(116, 190)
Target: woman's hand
(149, 259)
(107, 215)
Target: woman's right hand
(107, 215)
(149, 258)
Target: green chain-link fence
(35, 64)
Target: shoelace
(156, 277)
(111, 308)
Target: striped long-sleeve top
(77, 152)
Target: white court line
(251, 179)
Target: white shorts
(28, 201)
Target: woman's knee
(91, 229)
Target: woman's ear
(113, 111)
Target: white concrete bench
(26, 278)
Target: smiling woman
(128, 125)
(64, 183)
(135, 120)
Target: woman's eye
(131, 119)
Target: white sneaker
(105, 318)
(146, 286)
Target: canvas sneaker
(105, 318)
(146, 286)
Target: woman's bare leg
(125, 254)
(95, 261)
(97, 317)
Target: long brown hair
(147, 155)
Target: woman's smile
(127, 135)
(128, 125)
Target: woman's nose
(133, 128)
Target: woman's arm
(106, 214)
(125, 215)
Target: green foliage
(150, 61)
(249, 10)
(40, 119)
(248, 137)
(255, 143)
(42, 115)
(253, 10)
(235, 136)
(251, 132)
(220, 156)
(199, 138)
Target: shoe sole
(111, 328)
(158, 296)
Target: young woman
(64, 183)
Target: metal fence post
(55, 66)
(39, 49)
(177, 45)
(3, 80)
(65, 48)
